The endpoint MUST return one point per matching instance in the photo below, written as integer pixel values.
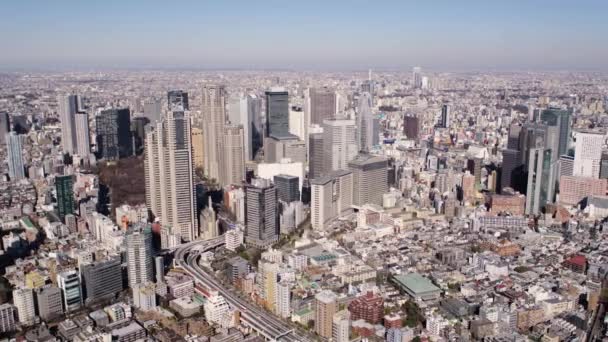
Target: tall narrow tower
(169, 173)
(234, 158)
(15, 156)
(214, 118)
(68, 107)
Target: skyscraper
(261, 214)
(140, 255)
(15, 156)
(339, 144)
(326, 307)
(113, 129)
(277, 112)
(255, 135)
(68, 107)
(365, 123)
(169, 173)
(510, 161)
(153, 110)
(214, 118)
(5, 125)
(138, 131)
(64, 187)
(315, 154)
(101, 279)
(588, 153)
(83, 140)
(177, 100)
(445, 116)
(370, 179)
(541, 179)
(563, 120)
(234, 158)
(411, 127)
(288, 188)
(322, 105)
(198, 149)
(417, 77)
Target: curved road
(265, 323)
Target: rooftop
(416, 283)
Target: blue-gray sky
(327, 34)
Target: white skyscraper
(15, 156)
(588, 153)
(417, 77)
(233, 170)
(69, 105)
(365, 123)
(83, 140)
(23, 299)
(169, 173)
(214, 119)
(339, 144)
(140, 258)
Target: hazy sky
(328, 34)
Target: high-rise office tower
(49, 302)
(541, 178)
(339, 144)
(331, 196)
(370, 179)
(315, 154)
(69, 105)
(5, 126)
(563, 120)
(69, 283)
(255, 134)
(153, 110)
(15, 156)
(64, 187)
(277, 112)
(326, 306)
(510, 161)
(214, 119)
(23, 299)
(322, 105)
(417, 77)
(138, 132)
(198, 149)
(83, 139)
(288, 188)
(365, 123)
(140, 255)
(445, 116)
(261, 214)
(113, 129)
(411, 127)
(234, 156)
(101, 279)
(474, 165)
(177, 100)
(513, 138)
(588, 153)
(169, 173)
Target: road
(262, 321)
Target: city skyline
(542, 35)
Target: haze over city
(456, 35)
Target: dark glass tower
(563, 120)
(177, 100)
(65, 196)
(277, 113)
(113, 128)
